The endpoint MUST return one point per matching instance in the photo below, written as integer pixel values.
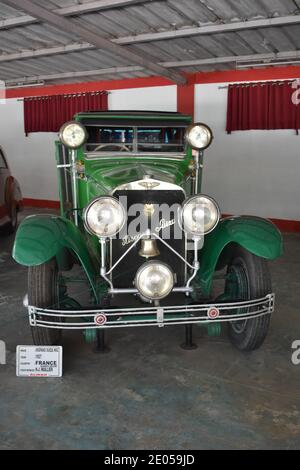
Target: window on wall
(263, 105)
(49, 113)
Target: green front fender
(259, 236)
(43, 237)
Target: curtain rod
(66, 95)
(290, 81)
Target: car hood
(104, 177)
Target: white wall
(147, 99)
(254, 172)
(32, 158)
(249, 172)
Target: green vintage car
(142, 241)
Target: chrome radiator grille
(124, 274)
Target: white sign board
(39, 361)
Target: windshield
(136, 139)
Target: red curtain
(49, 113)
(263, 105)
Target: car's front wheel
(44, 291)
(248, 277)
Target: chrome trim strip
(109, 155)
(141, 185)
(122, 317)
(140, 126)
(74, 184)
(181, 290)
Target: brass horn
(149, 248)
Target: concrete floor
(150, 394)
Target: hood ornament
(149, 184)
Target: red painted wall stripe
(87, 86)
(268, 73)
(288, 226)
(186, 99)
(41, 203)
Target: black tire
(254, 281)
(43, 291)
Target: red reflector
(213, 313)
(100, 319)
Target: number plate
(39, 361)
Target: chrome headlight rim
(204, 126)
(146, 266)
(189, 201)
(86, 212)
(62, 135)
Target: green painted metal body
(104, 174)
(259, 236)
(42, 237)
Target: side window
(2, 161)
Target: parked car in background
(11, 202)
(150, 243)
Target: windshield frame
(137, 152)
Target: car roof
(134, 118)
(136, 113)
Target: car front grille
(124, 274)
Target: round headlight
(199, 136)
(73, 134)
(104, 217)
(200, 215)
(154, 280)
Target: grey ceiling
(138, 26)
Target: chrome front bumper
(150, 316)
